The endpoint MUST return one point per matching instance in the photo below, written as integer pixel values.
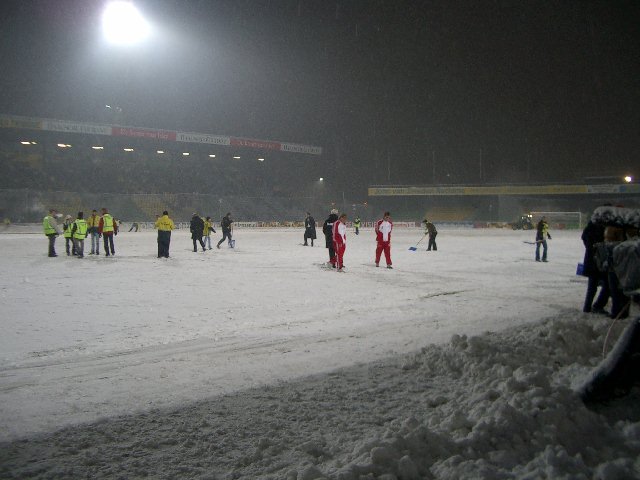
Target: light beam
(123, 24)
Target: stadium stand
(450, 214)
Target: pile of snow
(497, 405)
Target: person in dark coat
(327, 229)
(430, 229)
(226, 229)
(619, 301)
(309, 229)
(197, 230)
(592, 234)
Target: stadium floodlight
(160, 151)
(26, 143)
(185, 154)
(64, 145)
(212, 156)
(261, 159)
(128, 149)
(321, 179)
(97, 147)
(628, 178)
(236, 157)
(123, 24)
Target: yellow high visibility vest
(67, 232)
(81, 228)
(48, 228)
(107, 223)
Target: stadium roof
(47, 124)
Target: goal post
(560, 220)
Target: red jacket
(101, 226)
(383, 230)
(339, 233)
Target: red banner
(261, 144)
(140, 133)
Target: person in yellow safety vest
(108, 228)
(79, 232)
(164, 225)
(68, 238)
(93, 222)
(51, 230)
(208, 228)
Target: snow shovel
(413, 249)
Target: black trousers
(108, 242)
(225, 234)
(52, 244)
(592, 288)
(308, 237)
(432, 242)
(199, 239)
(332, 254)
(164, 240)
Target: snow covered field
(256, 362)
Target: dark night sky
(532, 90)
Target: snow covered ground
(256, 362)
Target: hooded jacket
(327, 229)
(197, 227)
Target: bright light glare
(321, 179)
(212, 156)
(628, 179)
(128, 149)
(25, 143)
(97, 147)
(261, 159)
(123, 24)
(186, 154)
(237, 158)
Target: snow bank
(494, 406)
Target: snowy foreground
(256, 362)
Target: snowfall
(258, 362)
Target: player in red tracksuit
(340, 240)
(383, 237)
